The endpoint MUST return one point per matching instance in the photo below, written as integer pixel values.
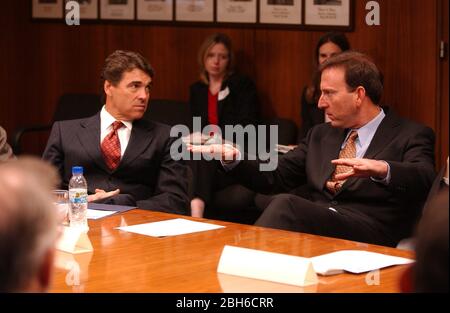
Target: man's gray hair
(28, 221)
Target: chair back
(76, 105)
(170, 112)
(287, 130)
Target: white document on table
(178, 226)
(96, 214)
(354, 261)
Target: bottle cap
(77, 170)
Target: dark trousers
(294, 213)
(220, 192)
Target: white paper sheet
(178, 226)
(96, 214)
(354, 261)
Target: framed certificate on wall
(88, 9)
(280, 12)
(194, 10)
(47, 9)
(117, 9)
(328, 12)
(236, 11)
(155, 10)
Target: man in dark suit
(364, 175)
(118, 149)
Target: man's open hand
(100, 194)
(223, 152)
(362, 168)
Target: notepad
(354, 261)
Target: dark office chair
(69, 107)
(287, 130)
(170, 112)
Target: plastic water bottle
(78, 199)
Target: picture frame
(117, 9)
(88, 9)
(194, 11)
(303, 15)
(236, 11)
(280, 12)
(328, 13)
(154, 10)
(47, 9)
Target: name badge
(223, 94)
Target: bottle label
(78, 195)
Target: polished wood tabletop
(129, 262)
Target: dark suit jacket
(239, 107)
(146, 175)
(408, 147)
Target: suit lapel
(383, 135)
(141, 136)
(89, 137)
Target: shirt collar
(106, 119)
(366, 132)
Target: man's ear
(360, 94)
(107, 87)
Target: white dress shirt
(124, 133)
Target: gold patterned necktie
(349, 151)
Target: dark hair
(359, 71)
(337, 38)
(121, 61)
(204, 48)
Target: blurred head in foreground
(28, 225)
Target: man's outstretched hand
(223, 152)
(100, 194)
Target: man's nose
(321, 103)
(144, 93)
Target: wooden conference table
(128, 262)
